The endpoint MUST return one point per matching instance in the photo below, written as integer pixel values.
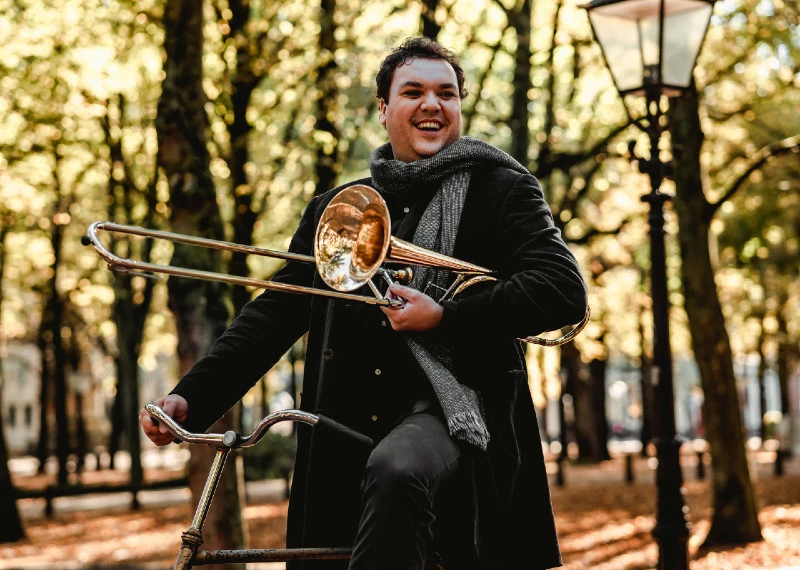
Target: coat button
(327, 354)
(406, 210)
(377, 372)
(374, 418)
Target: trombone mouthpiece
(402, 276)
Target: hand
(419, 314)
(175, 407)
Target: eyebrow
(418, 84)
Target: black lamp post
(650, 47)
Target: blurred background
(224, 118)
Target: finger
(147, 421)
(402, 291)
(161, 439)
(170, 408)
(180, 414)
(144, 419)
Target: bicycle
(190, 554)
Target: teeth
(428, 125)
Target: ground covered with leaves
(604, 523)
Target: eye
(448, 95)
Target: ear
(382, 114)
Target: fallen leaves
(603, 524)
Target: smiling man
(457, 474)
(422, 109)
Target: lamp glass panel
(648, 29)
(683, 36)
(619, 38)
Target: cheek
(455, 111)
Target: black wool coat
(498, 513)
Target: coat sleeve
(264, 330)
(540, 286)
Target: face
(423, 112)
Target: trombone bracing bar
(116, 263)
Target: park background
(223, 119)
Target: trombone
(352, 243)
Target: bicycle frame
(190, 554)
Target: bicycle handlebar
(231, 439)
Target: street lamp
(651, 47)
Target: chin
(429, 150)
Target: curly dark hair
(412, 48)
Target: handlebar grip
(334, 426)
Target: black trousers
(405, 474)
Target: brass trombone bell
(354, 240)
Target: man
(457, 469)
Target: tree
(133, 295)
(54, 357)
(200, 308)
(735, 518)
(757, 233)
(253, 31)
(568, 166)
(12, 529)
(326, 131)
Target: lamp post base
(672, 528)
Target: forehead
(424, 71)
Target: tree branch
(563, 161)
(758, 160)
(592, 233)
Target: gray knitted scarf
(450, 169)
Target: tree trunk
(597, 396)
(200, 308)
(428, 25)
(45, 391)
(326, 131)
(762, 384)
(117, 428)
(577, 386)
(243, 82)
(735, 518)
(11, 530)
(128, 339)
(55, 361)
(785, 352)
(520, 134)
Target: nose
(430, 101)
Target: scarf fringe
(462, 427)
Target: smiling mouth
(429, 126)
